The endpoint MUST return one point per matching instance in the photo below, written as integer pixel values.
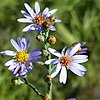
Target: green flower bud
(16, 81)
(40, 38)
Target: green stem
(34, 89)
(46, 46)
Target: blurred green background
(80, 22)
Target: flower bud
(52, 39)
(45, 53)
(47, 97)
(52, 18)
(40, 38)
(47, 78)
(16, 81)
(47, 24)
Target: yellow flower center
(80, 49)
(39, 19)
(65, 61)
(22, 56)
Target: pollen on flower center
(22, 56)
(65, 61)
(47, 23)
(39, 19)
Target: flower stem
(46, 46)
(34, 89)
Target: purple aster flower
(71, 99)
(80, 50)
(22, 60)
(36, 18)
(67, 60)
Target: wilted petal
(56, 70)
(63, 75)
(54, 52)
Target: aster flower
(67, 60)
(71, 99)
(80, 50)
(22, 60)
(36, 18)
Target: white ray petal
(29, 9)
(52, 61)
(27, 28)
(74, 49)
(76, 71)
(51, 12)
(24, 43)
(63, 75)
(17, 68)
(68, 51)
(80, 57)
(56, 70)
(10, 62)
(25, 14)
(12, 67)
(24, 20)
(78, 66)
(52, 28)
(15, 45)
(80, 60)
(8, 53)
(45, 11)
(63, 51)
(37, 8)
(57, 20)
(54, 52)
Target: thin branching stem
(33, 88)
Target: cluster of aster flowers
(39, 21)
(23, 62)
